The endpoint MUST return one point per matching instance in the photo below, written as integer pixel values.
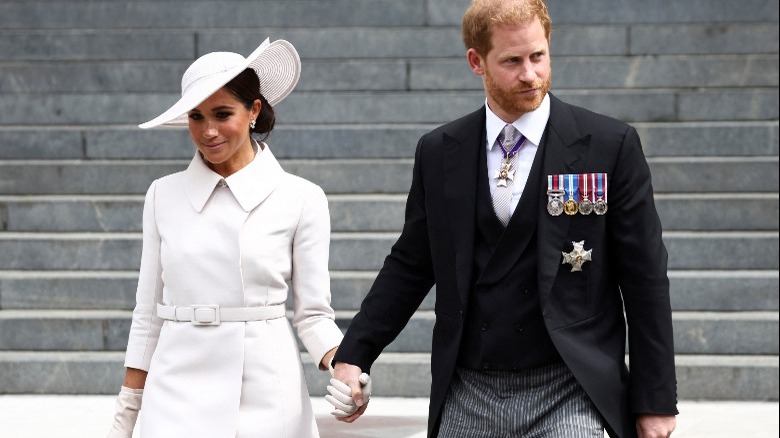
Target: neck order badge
(505, 172)
(502, 195)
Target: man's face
(516, 72)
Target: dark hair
(246, 88)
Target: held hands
(128, 404)
(341, 396)
(350, 391)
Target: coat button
(518, 328)
(486, 365)
(485, 327)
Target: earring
(252, 124)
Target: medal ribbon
(554, 183)
(571, 187)
(584, 185)
(511, 153)
(602, 186)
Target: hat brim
(276, 64)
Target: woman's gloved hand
(341, 396)
(128, 404)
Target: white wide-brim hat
(277, 65)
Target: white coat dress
(234, 245)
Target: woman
(221, 241)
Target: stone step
(567, 40)
(423, 107)
(685, 139)
(134, 177)
(115, 290)
(165, 14)
(362, 251)
(123, 213)
(367, 41)
(571, 72)
(85, 330)
(209, 15)
(699, 377)
(694, 332)
(719, 291)
(362, 176)
(450, 12)
(706, 377)
(593, 72)
(678, 212)
(724, 290)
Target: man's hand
(655, 426)
(350, 388)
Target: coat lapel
(199, 182)
(460, 159)
(566, 151)
(250, 185)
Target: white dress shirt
(532, 126)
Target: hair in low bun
(246, 88)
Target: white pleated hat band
(277, 65)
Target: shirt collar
(250, 185)
(529, 124)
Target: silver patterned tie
(502, 196)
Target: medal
(570, 206)
(555, 204)
(554, 195)
(586, 207)
(600, 207)
(577, 256)
(505, 173)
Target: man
(538, 236)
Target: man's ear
(476, 62)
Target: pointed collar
(250, 185)
(531, 125)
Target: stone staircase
(698, 79)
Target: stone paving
(81, 416)
(374, 427)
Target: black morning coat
(582, 311)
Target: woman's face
(219, 127)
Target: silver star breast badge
(577, 256)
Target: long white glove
(128, 404)
(341, 395)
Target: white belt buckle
(205, 314)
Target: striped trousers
(544, 402)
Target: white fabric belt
(212, 314)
